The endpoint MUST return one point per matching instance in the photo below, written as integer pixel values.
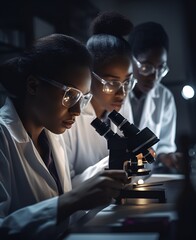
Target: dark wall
(22, 21)
(190, 17)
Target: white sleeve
(38, 221)
(33, 222)
(90, 171)
(168, 127)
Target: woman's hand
(171, 160)
(96, 191)
(101, 189)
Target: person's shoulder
(166, 96)
(164, 90)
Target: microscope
(130, 152)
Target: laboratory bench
(138, 218)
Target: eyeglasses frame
(104, 82)
(139, 65)
(66, 89)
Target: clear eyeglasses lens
(109, 88)
(71, 97)
(147, 69)
(85, 99)
(113, 86)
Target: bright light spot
(188, 92)
(140, 181)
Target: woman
(48, 85)
(152, 104)
(111, 80)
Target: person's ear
(32, 84)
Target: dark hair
(107, 41)
(147, 36)
(48, 57)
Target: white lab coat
(159, 115)
(85, 147)
(28, 192)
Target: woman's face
(49, 111)
(118, 69)
(156, 58)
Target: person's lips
(117, 104)
(68, 123)
(149, 85)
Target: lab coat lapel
(60, 159)
(31, 160)
(149, 108)
(42, 176)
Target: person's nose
(75, 109)
(121, 91)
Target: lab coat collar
(153, 93)
(12, 121)
(149, 106)
(10, 118)
(60, 158)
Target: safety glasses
(111, 87)
(147, 69)
(71, 95)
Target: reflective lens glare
(110, 87)
(71, 95)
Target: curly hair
(147, 36)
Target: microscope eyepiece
(123, 124)
(149, 155)
(116, 118)
(139, 141)
(102, 128)
(129, 146)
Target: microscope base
(157, 194)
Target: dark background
(23, 21)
